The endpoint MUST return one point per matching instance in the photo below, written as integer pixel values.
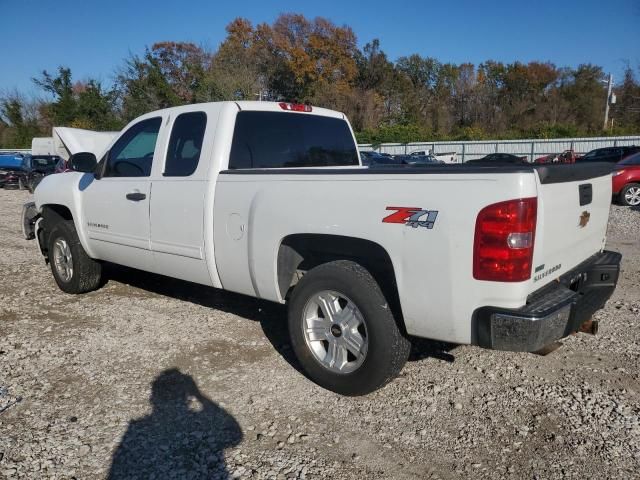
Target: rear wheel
(630, 195)
(342, 329)
(73, 270)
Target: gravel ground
(154, 378)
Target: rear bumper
(553, 312)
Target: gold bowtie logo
(584, 219)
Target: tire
(29, 213)
(371, 349)
(73, 270)
(630, 195)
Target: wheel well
(299, 253)
(52, 214)
(52, 211)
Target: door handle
(136, 196)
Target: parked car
(609, 154)
(498, 159)
(626, 180)
(444, 157)
(371, 158)
(419, 160)
(11, 177)
(263, 199)
(11, 170)
(36, 167)
(62, 166)
(568, 156)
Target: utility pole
(606, 108)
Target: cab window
(132, 154)
(287, 140)
(185, 144)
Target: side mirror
(83, 162)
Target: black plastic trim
(573, 172)
(585, 194)
(547, 173)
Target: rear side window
(185, 144)
(287, 140)
(132, 154)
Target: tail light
(295, 107)
(504, 238)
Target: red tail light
(504, 239)
(295, 107)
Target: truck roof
(253, 106)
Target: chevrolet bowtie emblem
(584, 219)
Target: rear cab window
(185, 144)
(290, 140)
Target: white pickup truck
(270, 200)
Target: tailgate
(573, 211)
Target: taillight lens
(504, 239)
(295, 107)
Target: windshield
(631, 160)
(44, 163)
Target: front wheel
(630, 195)
(342, 329)
(73, 270)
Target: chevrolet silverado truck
(270, 200)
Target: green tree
(19, 122)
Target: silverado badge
(584, 219)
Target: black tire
(86, 273)
(624, 192)
(387, 350)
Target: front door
(116, 206)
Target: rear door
(116, 206)
(573, 211)
(179, 190)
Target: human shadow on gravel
(184, 436)
(272, 316)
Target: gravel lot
(154, 378)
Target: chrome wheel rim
(632, 196)
(335, 331)
(62, 259)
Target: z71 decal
(412, 217)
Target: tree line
(413, 98)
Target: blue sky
(93, 37)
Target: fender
(65, 189)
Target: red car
(568, 156)
(626, 180)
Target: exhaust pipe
(590, 327)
